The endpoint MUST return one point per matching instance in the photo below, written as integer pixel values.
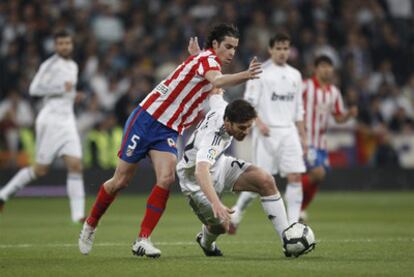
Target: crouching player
(205, 172)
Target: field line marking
(112, 244)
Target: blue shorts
(317, 157)
(143, 133)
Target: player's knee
(267, 185)
(75, 167)
(217, 229)
(318, 175)
(40, 171)
(120, 182)
(294, 178)
(165, 180)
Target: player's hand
(263, 128)
(217, 91)
(68, 86)
(353, 111)
(255, 69)
(304, 143)
(222, 212)
(79, 97)
(193, 46)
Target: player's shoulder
(212, 123)
(50, 60)
(334, 89)
(266, 65)
(293, 71)
(210, 55)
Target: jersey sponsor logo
(171, 142)
(163, 89)
(282, 97)
(211, 154)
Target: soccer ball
(298, 239)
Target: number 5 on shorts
(134, 142)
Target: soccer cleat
(209, 253)
(144, 247)
(86, 238)
(235, 219)
(2, 202)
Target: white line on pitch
(110, 244)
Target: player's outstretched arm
(203, 177)
(352, 113)
(219, 80)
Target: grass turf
(359, 234)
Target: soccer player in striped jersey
(321, 99)
(56, 132)
(153, 127)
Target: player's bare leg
(293, 196)
(257, 180)
(20, 180)
(164, 166)
(310, 184)
(123, 174)
(75, 188)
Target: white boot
(144, 247)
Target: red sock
(156, 203)
(102, 202)
(309, 191)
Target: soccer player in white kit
(205, 172)
(56, 132)
(279, 134)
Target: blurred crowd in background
(124, 48)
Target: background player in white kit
(279, 134)
(56, 133)
(205, 172)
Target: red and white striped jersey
(319, 104)
(176, 101)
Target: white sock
(76, 194)
(208, 238)
(293, 198)
(21, 179)
(245, 198)
(275, 210)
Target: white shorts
(225, 173)
(55, 139)
(280, 153)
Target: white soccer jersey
(277, 95)
(209, 140)
(49, 82)
(56, 132)
(176, 101)
(319, 105)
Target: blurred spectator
(124, 47)
(15, 113)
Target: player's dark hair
(322, 59)
(279, 37)
(239, 111)
(61, 34)
(219, 32)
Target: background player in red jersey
(153, 127)
(320, 100)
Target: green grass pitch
(358, 234)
